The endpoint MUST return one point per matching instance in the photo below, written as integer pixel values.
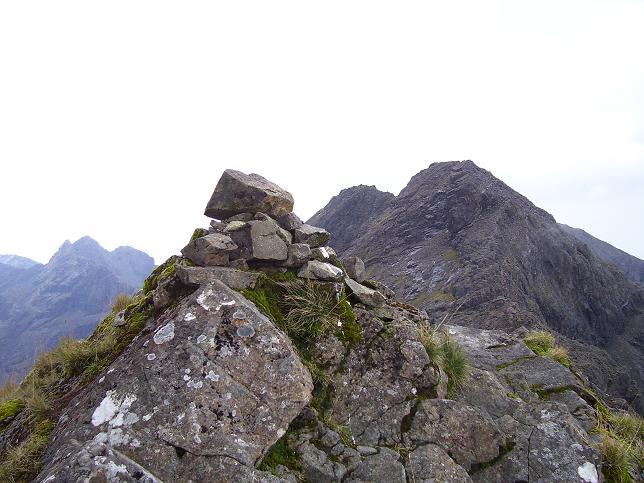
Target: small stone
(365, 295)
(355, 268)
(234, 226)
(239, 264)
(238, 193)
(216, 226)
(314, 236)
(235, 279)
(119, 319)
(240, 217)
(290, 221)
(209, 250)
(320, 271)
(260, 240)
(322, 254)
(366, 450)
(431, 463)
(298, 255)
(283, 234)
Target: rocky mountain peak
(260, 355)
(457, 239)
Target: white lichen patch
(195, 385)
(113, 409)
(147, 417)
(212, 376)
(164, 334)
(588, 472)
(189, 316)
(151, 356)
(201, 338)
(100, 381)
(324, 253)
(229, 302)
(201, 299)
(281, 432)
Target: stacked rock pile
(255, 230)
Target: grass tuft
(543, 344)
(446, 355)
(121, 301)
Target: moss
(452, 256)
(514, 395)
(159, 274)
(281, 454)
(441, 296)
(8, 410)
(198, 233)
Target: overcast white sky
(117, 118)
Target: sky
(117, 118)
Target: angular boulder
(260, 240)
(365, 295)
(312, 235)
(315, 270)
(355, 268)
(199, 396)
(298, 255)
(213, 249)
(238, 193)
(235, 279)
(290, 221)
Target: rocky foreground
(260, 356)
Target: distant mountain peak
(17, 261)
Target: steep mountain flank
(458, 241)
(65, 297)
(629, 265)
(258, 355)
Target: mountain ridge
(67, 296)
(456, 237)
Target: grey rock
(213, 249)
(383, 466)
(467, 433)
(290, 221)
(233, 278)
(313, 236)
(298, 255)
(355, 268)
(382, 378)
(431, 464)
(486, 391)
(240, 217)
(239, 264)
(189, 399)
(234, 226)
(316, 465)
(366, 450)
(320, 271)
(323, 254)
(580, 409)
(540, 374)
(119, 319)
(365, 295)
(547, 446)
(283, 234)
(489, 349)
(237, 193)
(216, 226)
(260, 240)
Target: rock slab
(201, 396)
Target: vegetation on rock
(446, 355)
(543, 344)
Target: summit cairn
(254, 227)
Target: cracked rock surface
(200, 396)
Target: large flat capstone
(237, 192)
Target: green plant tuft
(280, 454)
(446, 355)
(542, 343)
